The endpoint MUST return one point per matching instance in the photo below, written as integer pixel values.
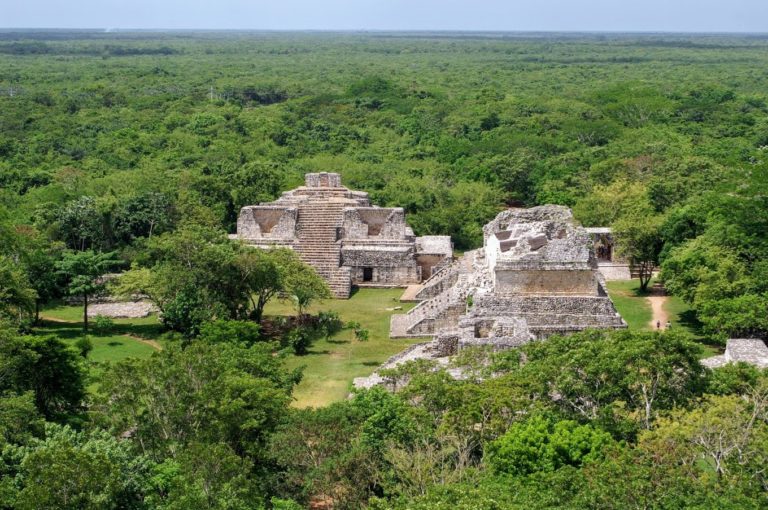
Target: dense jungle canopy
(138, 149)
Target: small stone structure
(346, 239)
(748, 350)
(609, 263)
(536, 276)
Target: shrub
(103, 325)
(84, 346)
(329, 323)
(227, 331)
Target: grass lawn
(631, 303)
(331, 364)
(112, 346)
(66, 323)
(329, 367)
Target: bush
(300, 339)
(103, 325)
(226, 331)
(84, 346)
(329, 323)
(361, 334)
(186, 313)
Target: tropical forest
(127, 156)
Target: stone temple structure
(536, 276)
(346, 239)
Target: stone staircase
(318, 246)
(443, 278)
(432, 314)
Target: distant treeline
(41, 48)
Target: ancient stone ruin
(609, 263)
(536, 276)
(346, 239)
(752, 351)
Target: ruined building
(346, 239)
(609, 263)
(536, 276)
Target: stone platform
(752, 351)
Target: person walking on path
(657, 299)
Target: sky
(494, 15)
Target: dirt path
(152, 343)
(54, 319)
(657, 299)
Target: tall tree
(638, 239)
(17, 297)
(84, 272)
(45, 366)
(81, 224)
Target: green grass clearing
(66, 322)
(329, 368)
(113, 346)
(332, 364)
(631, 303)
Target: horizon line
(393, 30)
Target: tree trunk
(646, 274)
(37, 311)
(85, 313)
(258, 310)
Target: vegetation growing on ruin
(145, 146)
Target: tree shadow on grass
(689, 320)
(151, 331)
(63, 330)
(337, 342)
(638, 292)
(312, 352)
(371, 363)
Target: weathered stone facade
(535, 276)
(745, 350)
(609, 263)
(346, 239)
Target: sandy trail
(657, 299)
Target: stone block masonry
(346, 239)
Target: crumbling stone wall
(322, 180)
(257, 222)
(390, 265)
(379, 222)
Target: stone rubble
(122, 310)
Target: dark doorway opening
(367, 274)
